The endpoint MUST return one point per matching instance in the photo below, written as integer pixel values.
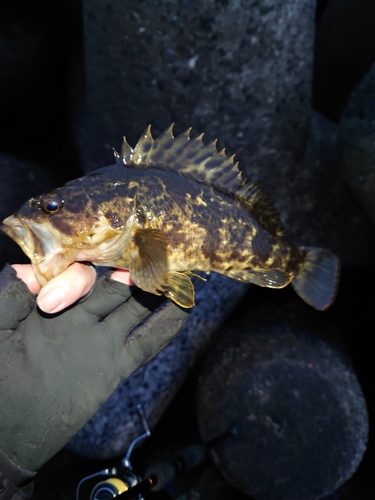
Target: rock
(356, 144)
(237, 70)
(280, 378)
(316, 207)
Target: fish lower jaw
(52, 265)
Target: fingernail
(50, 300)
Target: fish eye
(51, 203)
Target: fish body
(169, 207)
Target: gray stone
(281, 379)
(237, 70)
(356, 143)
(315, 205)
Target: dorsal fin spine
(127, 152)
(190, 157)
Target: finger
(16, 301)
(106, 296)
(123, 276)
(26, 274)
(151, 336)
(66, 288)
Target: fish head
(86, 220)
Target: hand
(62, 291)
(56, 370)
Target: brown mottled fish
(168, 207)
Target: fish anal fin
(149, 267)
(270, 278)
(317, 278)
(256, 200)
(180, 289)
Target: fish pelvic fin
(317, 279)
(180, 289)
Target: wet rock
(316, 206)
(356, 144)
(281, 379)
(237, 70)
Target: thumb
(16, 302)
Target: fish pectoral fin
(180, 289)
(149, 268)
(270, 278)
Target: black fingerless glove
(56, 370)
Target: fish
(168, 208)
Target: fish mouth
(19, 232)
(14, 229)
(42, 244)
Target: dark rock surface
(237, 70)
(356, 144)
(294, 400)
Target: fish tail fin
(317, 278)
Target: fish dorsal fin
(184, 155)
(261, 206)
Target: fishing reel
(122, 478)
(124, 483)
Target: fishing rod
(125, 484)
